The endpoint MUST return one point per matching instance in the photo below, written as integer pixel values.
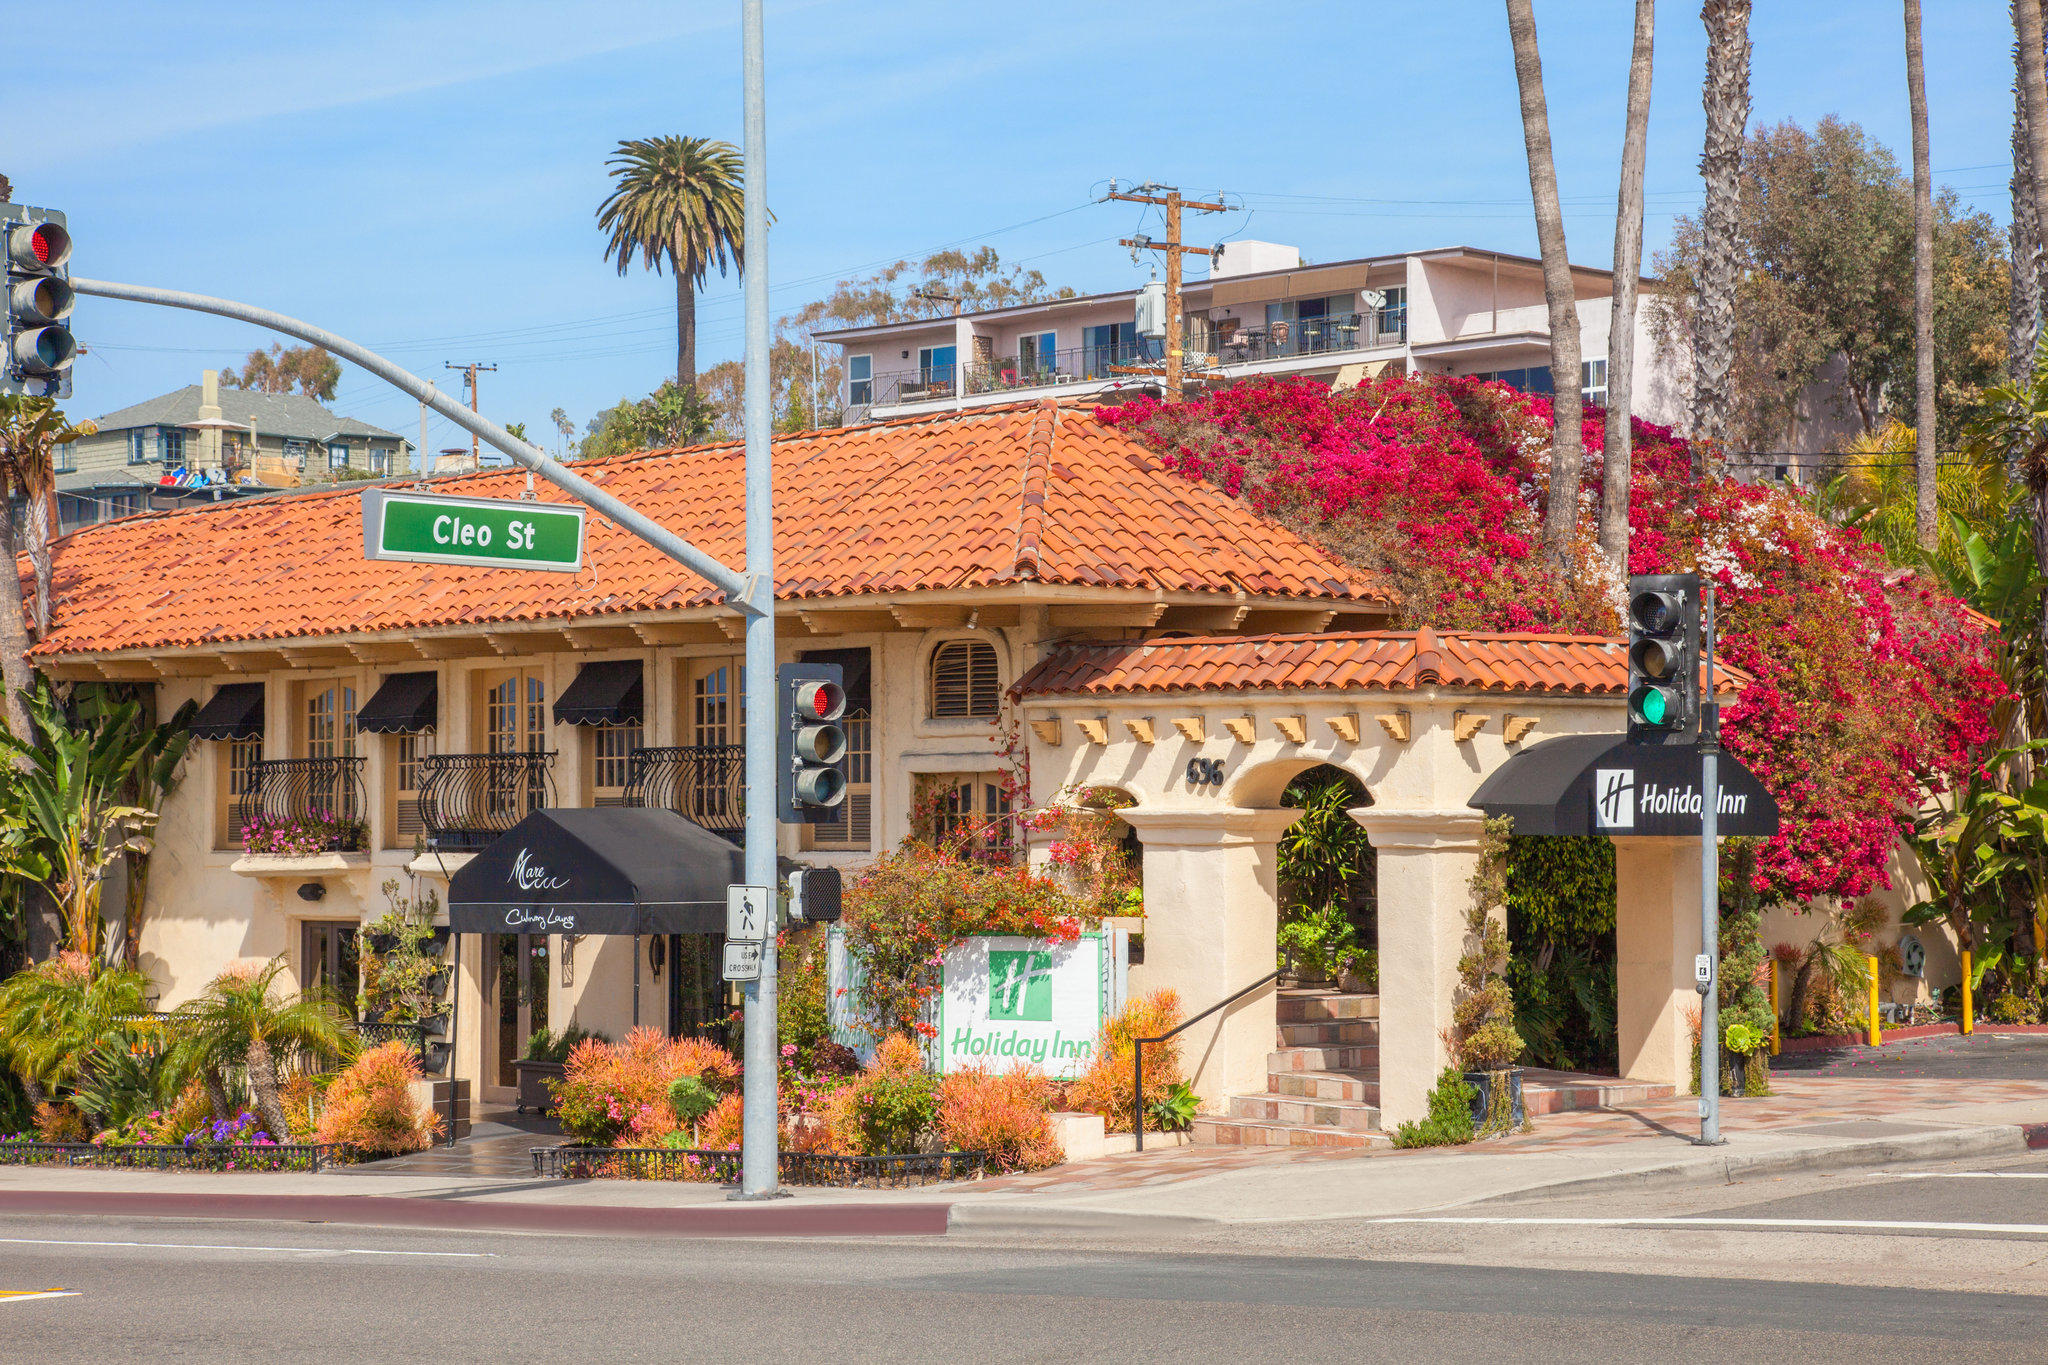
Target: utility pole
(1168, 198)
(468, 373)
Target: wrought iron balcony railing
(467, 800)
(703, 783)
(303, 805)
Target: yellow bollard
(1876, 1032)
(1775, 1041)
(1969, 1019)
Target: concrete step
(1552, 1092)
(1316, 1007)
(1320, 1033)
(1317, 1113)
(1337, 1058)
(1346, 1085)
(1220, 1131)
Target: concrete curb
(1729, 1168)
(1054, 1220)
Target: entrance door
(518, 1005)
(700, 999)
(327, 961)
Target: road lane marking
(1851, 1224)
(206, 1246)
(24, 1295)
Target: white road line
(205, 1246)
(1854, 1224)
(1962, 1175)
(46, 1294)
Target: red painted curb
(764, 1219)
(1823, 1042)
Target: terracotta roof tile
(1023, 493)
(1584, 665)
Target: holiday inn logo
(1020, 985)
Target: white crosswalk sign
(747, 913)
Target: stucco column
(1426, 860)
(1656, 935)
(1210, 919)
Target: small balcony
(705, 784)
(1077, 365)
(468, 800)
(1286, 338)
(303, 806)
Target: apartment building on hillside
(1262, 311)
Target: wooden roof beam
(1066, 618)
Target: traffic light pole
(1710, 882)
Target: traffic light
(810, 745)
(814, 895)
(40, 347)
(1663, 658)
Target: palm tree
(56, 1013)
(1621, 326)
(1726, 97)
(1877, 492)
(30, 431)
(1567, 451)
(2033, 96)
(678, 201)
(2023, 316)
(1924, 441)
(237, 1020)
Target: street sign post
(497, 533)
(742, 961)
(749, 910)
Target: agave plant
(240, 1021)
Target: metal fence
(797, 1168)
(467, 800)
(307, 1156)
(328, 790)
(703, 783)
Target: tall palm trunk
(263, 1090)
(1726, 98)
(1925, 440)
(686, 318)
(1621, 325)
(15, 672)
(2026, 18)
(2023, 316)
(1567, 450)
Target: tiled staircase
(1323, 1082)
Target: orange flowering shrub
(1105, 1087)
(371, 1105)
(59, 1123)
(302, 1097)
(1004, 1115)
(616, 1094)
(721, 1129)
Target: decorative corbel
(1345, 725)
(1294, 728)
(1465, 724)
(1141, 729)
(1243, 729)
(1095, 727)
(1047, 730)
(1190, 728)
(1396, 725)
(1517, 728)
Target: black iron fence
(304, 801)
(796, 1168)
(467, 800)
(704, 783)
(302, 1156)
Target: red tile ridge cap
(1031, 500)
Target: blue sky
(423, 177)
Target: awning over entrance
(612, 870)
(607, 693)
(236, 712)
(1601, 784)
(405, 705)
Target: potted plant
(545, 1059)
(1483, 1017)
(403, 978)
(1319, 948)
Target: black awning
(612, 870)
(607, 693)
(405, 704)
(236, 712)
(1601, 784)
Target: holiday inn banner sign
(1600, 784)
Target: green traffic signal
(1651, 705)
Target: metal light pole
(1710, 883)
(761, 1134)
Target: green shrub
(1450, 1115)
(1320, 943)
(2010, 1009)
(690, 1099)
(1175, 1113)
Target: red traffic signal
(38, 246)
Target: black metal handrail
(323, 793)
(1138, 1051)
(703, 783)
(467, 800)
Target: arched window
(964, 681)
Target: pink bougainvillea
(1869, 690)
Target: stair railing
(1138, 1050)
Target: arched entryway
(1328, 883)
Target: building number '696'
(1205, 772)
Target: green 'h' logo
(1020, 985)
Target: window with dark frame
(965, 681)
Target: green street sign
(497, 533)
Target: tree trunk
(14, 665)
(32, 1089)
(217, 1093)
(1726, 98)
(1925, 438)
(1567, 451)
(2023, 315)
(2027, 19)
(263, 1091)
(686, 323)
(131, 915)
(1621, 327)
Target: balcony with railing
(302, 805)
(704, 783)
(467, 800)
(1003, 374)
(1293, 337)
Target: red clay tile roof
(1586, 665)
(1018, 494)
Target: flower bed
(303, 836)
(250, 1156)
(896, 1171)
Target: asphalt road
(1985, 1055)
(1594, 1285)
